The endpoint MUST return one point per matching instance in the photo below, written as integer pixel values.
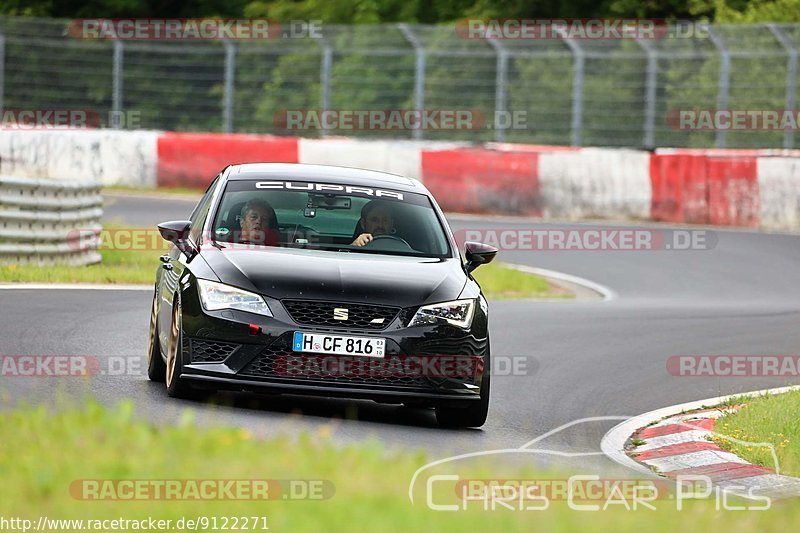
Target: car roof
(324, 173)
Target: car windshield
(322, 216)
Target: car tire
(156, 367)
(176, 386)
(472, 416)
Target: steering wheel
(391, 238)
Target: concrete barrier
(395, 157)
(779, 192)
(695, 187)
(750, 188)
(679, 185)
(595, 182)
(733, 195)
(107, 156)
(478, 180)
(193, 159)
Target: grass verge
(765, 419)
(159, 192)
(118, 266)
(126, 266)
(46, 456)
(499, 281)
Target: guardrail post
(724, 80)
(577, 89)
(649, 93)
(791, 78)
(116, 86)
(227, 96)
(500, 96)
(419, 73)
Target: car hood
(336, 276)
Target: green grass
(128, 266)
(160, 191)
(118, 266)
(499, 281)
(766, 419)
(43, 453)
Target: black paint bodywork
(348, 279)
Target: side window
(201, 211)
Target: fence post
(116, 86)
(500, 96)
(791, 78)
(577, 88)
(649, 93)
(419, 73)
(227, 95)
(724, 80)
(325, 79)
(2, 70)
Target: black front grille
(279, 361)
(204, 351)
(452, 346)
(359, 316)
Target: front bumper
(431, 364)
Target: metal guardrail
(47, 221)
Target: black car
(330, 281)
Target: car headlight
(458, 313)
(215, 296)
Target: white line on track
(606, 293)
(74, 286)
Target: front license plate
(338, 345)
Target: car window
(200, 212)
(329, 217)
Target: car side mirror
(177, 232)
(479, 254)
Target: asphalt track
(584, 359)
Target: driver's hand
(362, 239)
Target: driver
(258, 223)
(376, 219)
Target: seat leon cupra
(321, 280)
